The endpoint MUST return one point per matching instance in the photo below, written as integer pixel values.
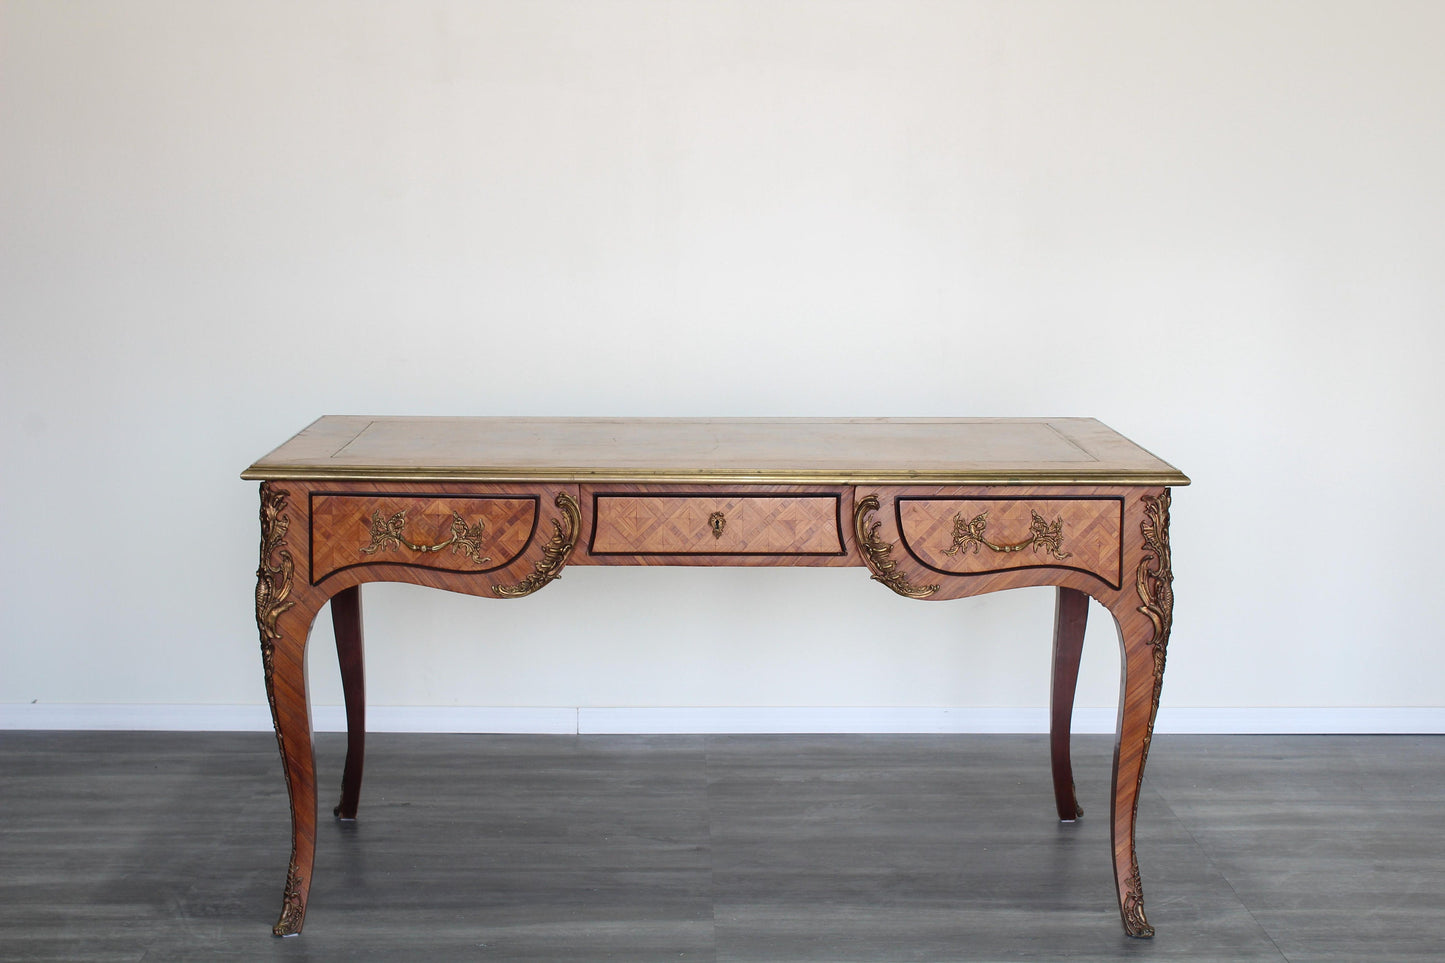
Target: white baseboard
(257, 718)
(1223, 721)
(563, 720)
(828, 719)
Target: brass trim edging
(589, 475)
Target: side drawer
(717, 523)
(974, 535)
(445, 532)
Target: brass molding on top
(878, 553)
(554, 554)
(718, 521)
(388, 533)
(714, 476)
(1042, 534)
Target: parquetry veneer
(935, 509)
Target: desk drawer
(725, 523)
(445, 532)
(973, 535)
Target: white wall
(1219, 227)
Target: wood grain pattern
(342, 524)
(669, 525)
(350, 656)
(287, 602)
(1143, 638)
(313, 533)
(810, 847)
(1071, 615)
(747, 524)
(1091, 530)
(443, 570)
(284, 612)
(718, 450)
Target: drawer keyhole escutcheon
(718, 521)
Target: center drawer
(716, 523)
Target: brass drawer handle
(718, 521)
(388, 532)
(1042, 534)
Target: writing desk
(934, 508)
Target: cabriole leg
(284, 625)
(346, 619)
(1131, 748)
(1143, 642)
(287, 689)
(1070, 617)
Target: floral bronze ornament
(273, 577)
(1042, 535)
(389, 533)
(878, 553)
(1132, 908)
(273, 590)
(293, 909)
(718, 521)
(1154, 581)
(273, 584)
(554, 554)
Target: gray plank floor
(173, 846)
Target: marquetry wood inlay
(1154, 583)
(879, 551)
(935, 509)
(724, 451)
(344, 531)
(1088, 532)
(716, 524)
(555, 551)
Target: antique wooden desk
(933, 508)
